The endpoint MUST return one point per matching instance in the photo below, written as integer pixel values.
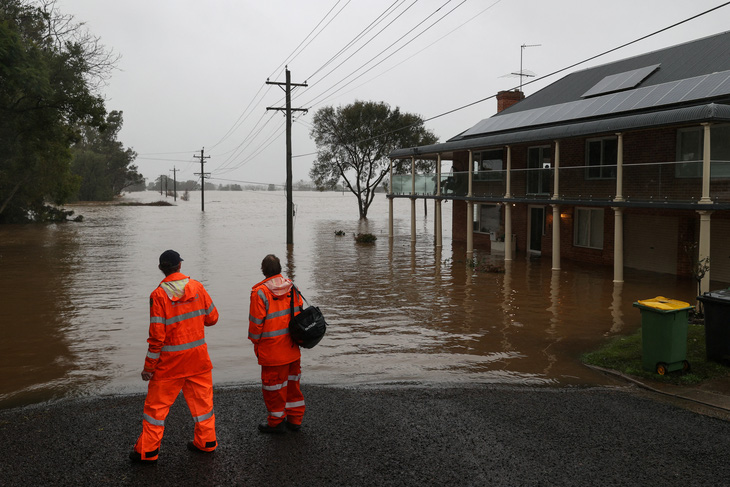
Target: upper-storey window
(601, 158)
(690, 148)
(488, 165)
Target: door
(538, 170)
(537, 228)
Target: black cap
(170, 257)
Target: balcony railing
(671, 182)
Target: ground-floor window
(588, 229)
(486, 218)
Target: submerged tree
(353, 143)
(50, 70)
(102, 162)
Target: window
(538, 175)
(486, 218)
(601, 158)
(487, 161)
(690, 148)
(588, 228)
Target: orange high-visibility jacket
(180, 308)
(268, 321)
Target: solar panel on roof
(681, 91)
(621, 81)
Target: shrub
(365, 238)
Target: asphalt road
(480, 435)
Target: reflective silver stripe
(275, 333)
(262, 295)
(290, 405)
(276, 387)
(258, 321)
(277, 314)
(198, 419)
(185, 316)
(151, 420)
(269, 334)
(295, 378)
(152, 355)
(184, 346)
(277, 414)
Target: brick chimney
(506, 99)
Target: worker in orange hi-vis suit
(278, 355)
(177, 358)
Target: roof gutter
(699, 113)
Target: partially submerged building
(625, 164)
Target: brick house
(626, 164)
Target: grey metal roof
(705, 87)
(695, 58)
(691, 84)
(694, 114)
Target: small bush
(365, 238)
(340, 233)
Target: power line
(312, 102)
(455, 29)
(367, 29)
(545, 76)
(360, 48)
(286, 61)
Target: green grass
(623, 353)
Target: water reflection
(399, 311)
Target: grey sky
(190, 70)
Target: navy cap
(170, 257)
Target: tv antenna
(523, 73)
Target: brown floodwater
(75, 297)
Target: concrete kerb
(695, 395)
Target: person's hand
(146, 375)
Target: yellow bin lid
(664, 304)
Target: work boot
(292, 426)
(137, 458)
(278, 429)
(192, 447)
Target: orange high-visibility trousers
(282, 394)
(161, 394)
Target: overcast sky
(192, 73)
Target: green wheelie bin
(664, 334)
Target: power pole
(289, 203)
(202, 175)
(174, 182)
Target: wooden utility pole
(174, 182)
(202, 175)
(288, 109)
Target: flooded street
(76, 297)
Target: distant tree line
(163, 183)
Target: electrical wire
(287, 59)
(312, 102)
(542, 77)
